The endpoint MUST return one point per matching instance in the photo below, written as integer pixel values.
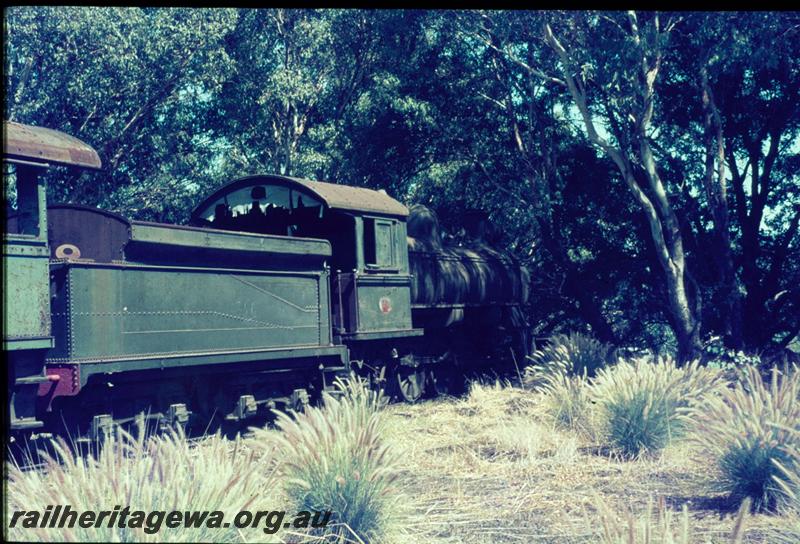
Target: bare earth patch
(490, 468)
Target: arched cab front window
(264, 209)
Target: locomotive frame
(276, 285)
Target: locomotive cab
(370, 284)
(27, 153)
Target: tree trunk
(664, 225)
(716, 193)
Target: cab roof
(334, 196)
(45, 147)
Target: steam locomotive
(275, 286)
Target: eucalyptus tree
(733, 107)
(132, 82)
(684, 105)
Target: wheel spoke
(410, 383)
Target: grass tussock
(567, 401)
(492, 468)
(145, 473)
(787, 528)
(659, 527)
(572, 354)
(333, 458)
(749, 433)
(640, 402)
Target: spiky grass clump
(575, 354)
(567, 402)
(658, 529)
(640, 402)
(333, 458)
(787, 530)
(746, 430)
(161, 473)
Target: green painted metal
(359, 223)
(27, 298)
(383, 335)
(381, 245)
(109, 311)
(401, 241)
(385, 250)
(189, 237)
(26, 282)
(331, 357)
(384, 302)
(12, 344)
(25, 246)
(370, 303)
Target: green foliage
(135, 84)
(749, 432)
(177, 101)
(148, 474)
(640, 402)
(572, 354)
(735, 362)
(332, 458)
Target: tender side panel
(125, 312)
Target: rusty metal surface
(62, 380)
(46, 146)
(93, 233)
(336, 197)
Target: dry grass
(745, 430)
(640, 401)
(333, 458)
(572, 354)
(657, 526)
(787, 530)
(492, 468)
(148, 474)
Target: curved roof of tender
(335, 196)
(46, 146)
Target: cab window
(264, 209)
(379, 243)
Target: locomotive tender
(276, 285)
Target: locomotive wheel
(409, 383)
